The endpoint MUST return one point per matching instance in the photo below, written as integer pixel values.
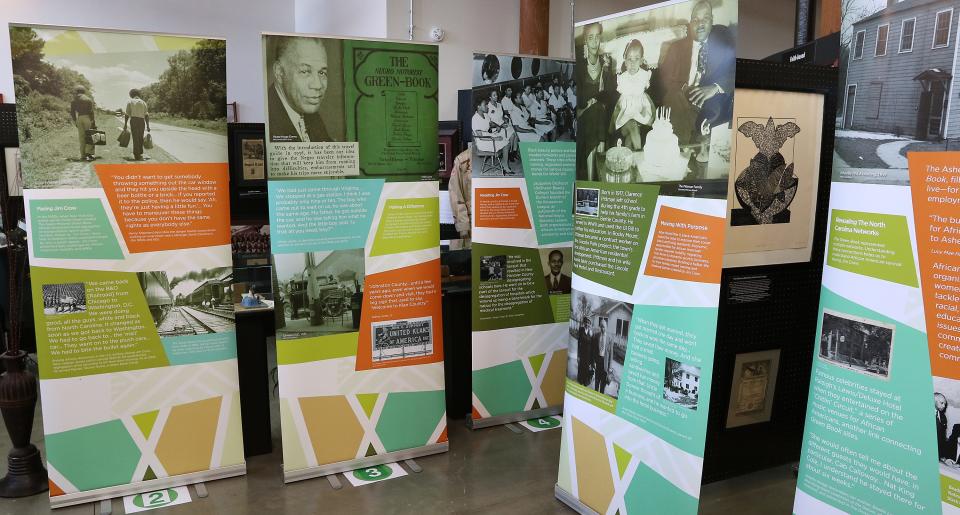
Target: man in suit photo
(556, 281)
(695, 76)
(584, 352)
(940, 404)
(296, 95)
(603, 357)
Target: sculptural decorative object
(767, 186)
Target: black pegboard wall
(785, 320)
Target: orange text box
(500, 208)
(410, 293)
(686, 246)
(169, 206)
(935, 187)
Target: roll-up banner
(888, 341)
(523, 159)
(124, 148)
(654, 100)
(355, 235)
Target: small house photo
(681, 383)
(856, 343)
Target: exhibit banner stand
(886, 348)
(124, 151)
(523, 166)
(354, 209)
(650, 204)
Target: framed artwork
(774, 176)
(753, 387)
(248, 163)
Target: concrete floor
(491, 470)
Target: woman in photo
(521, 122)
(542, 117)
(558, 104)
(490, 69)
(485, 137)
(633, 114)
(528, 97)
(508, 104)
(592, 115)
(499, 120)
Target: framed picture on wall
(774, 176)
(248, 161)
(753, 387)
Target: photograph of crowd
(856, 343)
(250, 244)
(656, 97)
(518, 99)
(59, 299)
(598, 334)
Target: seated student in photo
(486, 139)
(542, 117)
(499, 122)
(508, 105)
(558, 104)
(529, 97)
(522, 126)
(572, 95)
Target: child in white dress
(634, 112)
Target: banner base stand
(519, 416)
(513, 427)
(414, 466)
(334, 481)
(201, 489)
(106, 507)
(347, 466)
(574, 503)
(107, 494)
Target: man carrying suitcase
(136, 114)
(82, 112)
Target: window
(858, 45)
(941, 30)
(623, 326)
(874, 92)
(883, 32)
(906, 35)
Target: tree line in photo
(45, 91)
